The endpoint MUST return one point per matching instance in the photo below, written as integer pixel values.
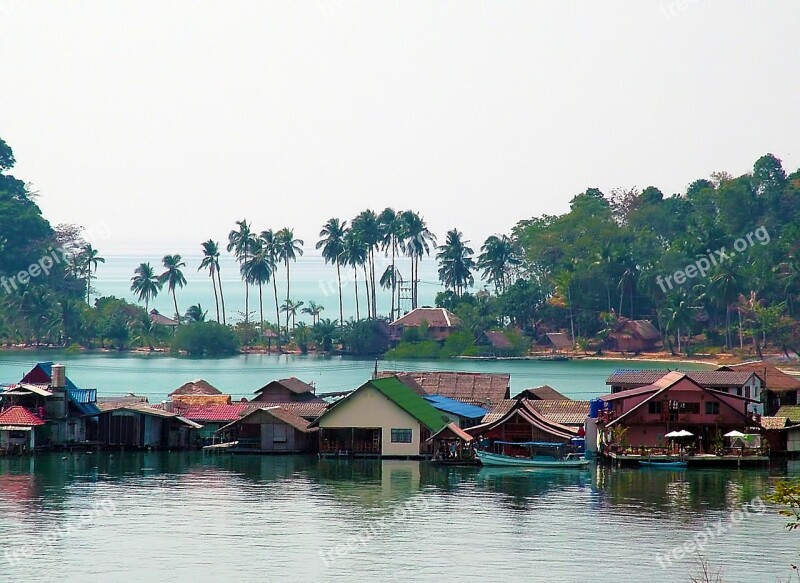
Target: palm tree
(90, 257)
(288, 248)
(313, 309)
(724, 290)
(456, 263)
(211, 263)
(416, 242)
(499, 256)
(270, 244)
(332, 244)
(391, 229)
(369, 229)
(195, 313)
(145, 284)
(354, 253)
(290, 309)
(173, 277)
(240, 241)
(258, 270)
(324, 332)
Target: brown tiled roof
(196, 387)
(706, 378)
(437, 317)
(279, 413)
(308, 410)
(525, 410)
(498, 340)
(544, 392)
(773, 378)
(769, 423)
(469, 387)
(115, 402)
(560, 340)
(293, 384)
(498, 410)
(563, 412)
(643, 329)
(409, 381)
(161, 319)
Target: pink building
(672, 403)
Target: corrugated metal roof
(451, 430)
(470, 387)
(561, 411)
(459, 408)
(792, 412)
(292, 384)
(774, 378)
(706, 378)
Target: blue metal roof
(84, 399)
(449, 405)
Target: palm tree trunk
(366, 287)
(88, 283)
(216, 297)
(374, 296)
(288, 280)
(221, 297)
(277, 310)
(261, 306)
(246, 297)
(175, 299)
(355, 280)
(339, 279)
(394, 282)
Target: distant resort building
(494, 344)
(634, 336)
(440, 323)
(162, 320)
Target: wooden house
(18, 429)
(521, 423)
(780, 388)
(383, 417)
(144, 427)
(199, 392)
(285, 391)
(634, 336)
(494, 343)
(272, 430)
(742, 383)
(68, 411)
(676, 402)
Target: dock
(695, 461)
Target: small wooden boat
(496, 459)
(666, 465)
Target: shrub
(205, 339)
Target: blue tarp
(449, 405)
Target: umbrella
(681, 433)
(734, 434)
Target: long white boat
(496, 459)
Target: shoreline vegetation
(709, 275)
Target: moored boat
(666, 465)
(496, 459)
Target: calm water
(194, 517)
(156, 375)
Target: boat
(571, 460)
(667, 465)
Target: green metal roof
(410, 402)
(790, 411)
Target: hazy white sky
(169, 121)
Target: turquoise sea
(311, 279)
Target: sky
(157, 125)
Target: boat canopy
(532, 443)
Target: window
(654, 407)
(681, 407)
(401, 436)
(747, 392)
(712, 407)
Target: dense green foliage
(205, 339)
